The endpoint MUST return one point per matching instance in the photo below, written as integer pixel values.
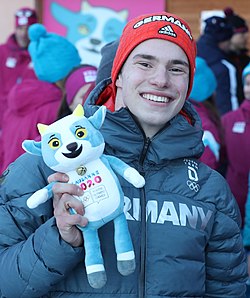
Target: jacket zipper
(142, 276)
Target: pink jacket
(211, 137)
(29, 103)
(15, 65)
(237, 141)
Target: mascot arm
(40, 196)
(127, 172)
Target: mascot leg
(93, 259)
(124, 246)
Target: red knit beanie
(162, 25)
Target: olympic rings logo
(193, 185)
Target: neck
(150, 131)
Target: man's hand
(63, 200)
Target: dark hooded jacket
(225, 72)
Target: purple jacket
(30, 102)
(237, 141)
(211, 136)
(15, 65)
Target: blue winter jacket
(184, 224)
(226, 92)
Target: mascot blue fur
(75, 145)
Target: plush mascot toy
(74, 145)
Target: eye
(179, 68)
(175, 69)
(144, 64)
(54, 143)
(81, 133)
(83, 29)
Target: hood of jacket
(245, 106)
(208, 49)
(30, 94)
(13, 47)
(178, 139)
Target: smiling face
(153, 83)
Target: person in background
(201, 97)
(184, 223)
(37, 100)
(30, 102)
(15, 61)
(213, 46)
(238, 53)
(53, 56)
(77, 86)
(236, 126)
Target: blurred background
(189, 10)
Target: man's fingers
(65, 188)
(66, 222)
(77, 219)
(66, 202)
(60, 188)
(58, 177)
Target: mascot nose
(72, 147)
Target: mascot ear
(78, 111)
(32, 147)
(98, 118)
(42, 128)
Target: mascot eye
(54, 143)
(83, 29)
(81, 133)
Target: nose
(23, 31)
(160, 78)
(72, 146)
(95, 41)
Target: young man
(184, 224)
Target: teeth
(155, 98)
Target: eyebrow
(52, 136)
(151, 58)
(145, 56)
(178, 61)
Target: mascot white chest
(101, 195)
